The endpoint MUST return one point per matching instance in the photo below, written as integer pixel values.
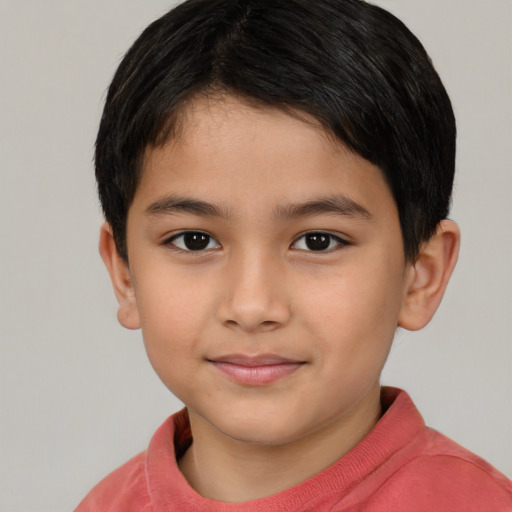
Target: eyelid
(169, 241)
(340, 241)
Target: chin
(257, 437)
(261, 431)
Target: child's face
(268, 272)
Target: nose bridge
(255, 295)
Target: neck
(228, 470)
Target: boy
(276, 178)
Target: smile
(255, 371)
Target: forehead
(220, 121)
(228, 150)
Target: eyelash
(340, 242)
(198, 234)
(205, 238)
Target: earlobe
(128, 313)
(429, 276)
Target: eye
(193, 241)
(318, 241)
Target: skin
(257, 289)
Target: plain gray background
(77, 395)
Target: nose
(254, 297)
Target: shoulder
(445, 476)
(123, 490)
(127, 488)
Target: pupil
(196, 241)
(317, 241)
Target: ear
(128, 313)
(429, 276)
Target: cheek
(173, 315)
(355, 309)
(354, 324)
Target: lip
(255, 370)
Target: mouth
(255, 370)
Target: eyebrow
(336, 205)
(174, 204)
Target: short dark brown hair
(351, 65)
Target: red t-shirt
(400, 466)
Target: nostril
(269, 325)
(251, 301)
(265, 326)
